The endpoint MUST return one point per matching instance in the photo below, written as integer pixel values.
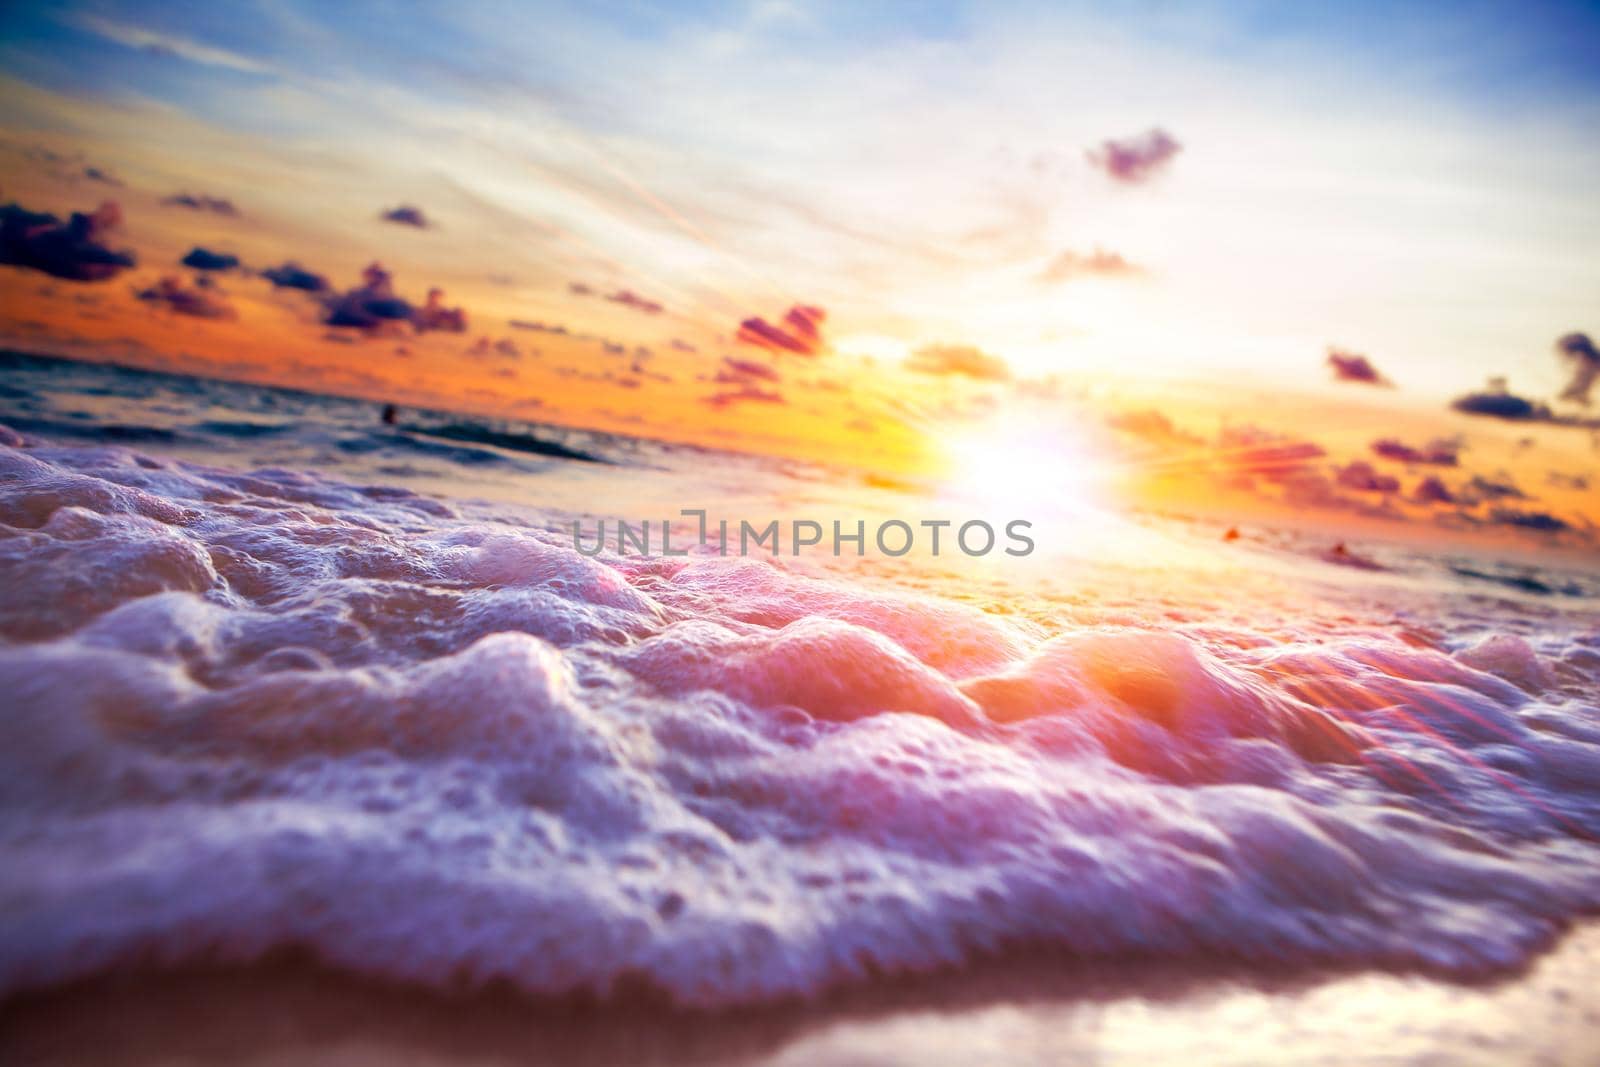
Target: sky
(850, 230)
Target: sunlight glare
(1023, 464)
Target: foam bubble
(432, 742)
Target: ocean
(280, 675)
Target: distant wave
(476, 433)
(1522, 583)
(120, 433)
(431, 742)
(231, 428)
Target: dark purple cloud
(1431, 490)
(215, 205)
(630, 299)
(1497, 403)
(1579, 351)
(103, 176)
(1307, 487)
(1439, 453)
(1498, 487)
(1354, 367)
(1538, 521)
(74, 250)
(748, 394)
(205, 259)
(1135, 159)
(744, 371)
(293, 276)
(374, 305)
(433, 315)
(367, 307)
(1360, 476)
(964, 360)
(800, 331)
(407, 215)
(202, 300)
(1099, 263)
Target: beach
(309, 761)
(1032, 1012)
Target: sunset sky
(849, 231)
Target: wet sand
(1033, 1011)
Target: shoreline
(1034, 1010)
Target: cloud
(1578, 350)
(407, 215)
(73, 250)
(1353, 367)
(537, 327)
(205, 259)
(965, 360)
(744, 372)
(1252, 450)
(749, 394)
(433, 315)
(1099, 263)
(800, 331)
(202, 300)
(1154, 427)
(679, 345)
(374, 306)
(1136, 159)
(370, 305)
(103, 176)
(1438, 453)
(1482, 488)
(1360, 476)
(216, 205)
(1560, 480)
(1431, 490)
(165, 44)
(628, 298)
(293, 276)
(1497, 402)
(502, 348)
(1538, 521)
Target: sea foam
(430, 742)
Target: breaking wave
(430, 742)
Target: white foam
(434, 743)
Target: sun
(1023, 464)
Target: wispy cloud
(166, 44)
(964, 360)
(1099, 263)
